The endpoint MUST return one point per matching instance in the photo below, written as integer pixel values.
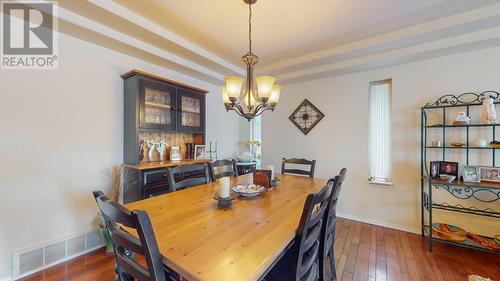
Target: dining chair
(231, 170)
(189, 175)
(124, 243)
(327, 249)
(300, 262)
(97, 194)
(298, 161)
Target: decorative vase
(107, 239)
(489, 114)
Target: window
(380, 132)
(255, 135)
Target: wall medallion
(306, 116)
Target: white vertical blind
(380, 132)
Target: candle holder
(225, 203)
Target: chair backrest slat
(298, 161)
(230, 164)
(125, 245)
(308, 236)
(200, 176)
(328, 228)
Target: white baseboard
(6, 278)
(379, 223)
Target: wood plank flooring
(363, 252)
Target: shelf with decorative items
(477, 191)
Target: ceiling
(281, 25)
(298, 41)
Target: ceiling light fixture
(253, 101)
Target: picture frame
(491, 174)
(200, 151)
(434, 169)
(471, 174)
(448, 168)
(175, 153)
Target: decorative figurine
(489, 114)
(141, 150)
(462, 119)
(151, 150)
(161, 147)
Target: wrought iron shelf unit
(486, 192)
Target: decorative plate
(248, 189)
(484, 242)
(306, 116)
(449, 232)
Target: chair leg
(332, 264)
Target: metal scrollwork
(464, 99)
(466, 192)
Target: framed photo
(199, 152)
(434, 169)
(471, 174)
(175, 153)
(448, 168)
(489, 174)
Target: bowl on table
(448, 178)
(248, 189)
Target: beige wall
(340, 139)
(60, 130)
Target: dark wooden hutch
(158, 110)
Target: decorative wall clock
(306, 116)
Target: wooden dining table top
(201, 242)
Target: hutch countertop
(164, 164)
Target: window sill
(380, 183)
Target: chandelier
(253, 101)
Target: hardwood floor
(363, 252)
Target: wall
(340, 139)
(60, 130)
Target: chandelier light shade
(254, 99)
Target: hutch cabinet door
(190, 111)
(157, 106)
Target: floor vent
(28, 261)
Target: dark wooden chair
(298, 161)
(327, 250)
(124, 243)
(97, 194)
(300, 262)
(189, 175)
(229, 164)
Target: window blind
(380, 132)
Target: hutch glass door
(157, 106)
(191, 111)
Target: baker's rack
(486, 192)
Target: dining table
(199, 241)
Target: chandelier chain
(250, 26)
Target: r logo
(27, 28)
